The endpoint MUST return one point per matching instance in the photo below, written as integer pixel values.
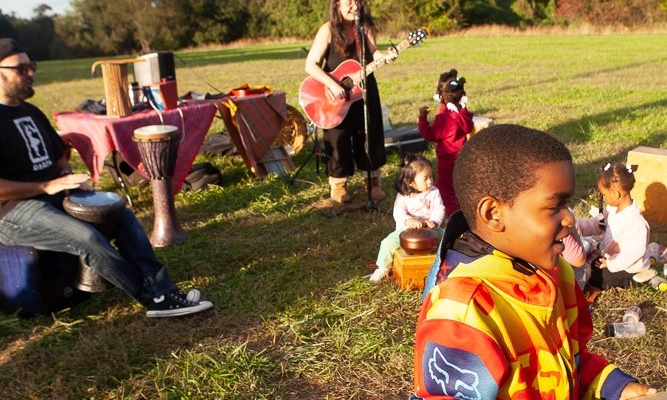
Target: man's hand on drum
(67, 182)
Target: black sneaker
(175, 304)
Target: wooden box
(650, 191)
(410, 270)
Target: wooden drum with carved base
(100, 209)
(158, 147)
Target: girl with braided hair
(449, 132)
(625, 232)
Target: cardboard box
(410, 270)
(650, 191)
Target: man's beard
(22, 92)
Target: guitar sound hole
(347, 83)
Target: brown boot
(376, 190)
(339, 192)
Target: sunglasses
(23, 68)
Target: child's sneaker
(176, 304)
(379, 275)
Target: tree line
(101, 27)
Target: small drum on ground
(101, 209)
(158, 145)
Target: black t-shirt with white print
(29, 146)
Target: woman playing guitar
(336, 41)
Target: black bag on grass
(201, 175)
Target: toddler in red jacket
(449, 131)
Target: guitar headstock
(416, 37)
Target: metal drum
(98, 208)
(158, 147)
(101, 209)
(419, 241)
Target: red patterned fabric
(253, 121)
(95, 136)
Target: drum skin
(97, 208)
(419, 241)
(158, 147)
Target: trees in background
(101, 27)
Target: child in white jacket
(418, 205)
(625, 232)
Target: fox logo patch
(444, 367)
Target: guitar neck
(370, 68)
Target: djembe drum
(158, 146)
(100, 209)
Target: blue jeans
(41, 223)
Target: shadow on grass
(256, 248)
(592, 73)
(580, 129)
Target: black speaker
(154, 68)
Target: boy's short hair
(501, 161)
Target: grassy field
(294, 318)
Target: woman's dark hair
(619, 174)
(411, 165)
(338, 25)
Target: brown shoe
(339, 192)
(377, 193)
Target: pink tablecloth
(95, 136)
(253, 122)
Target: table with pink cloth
(95, 137)
(254, 122)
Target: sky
(23, 8)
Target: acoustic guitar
(327, 113)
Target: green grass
(294, 318)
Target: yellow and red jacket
(491, 330)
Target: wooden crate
(410, 270)
(650, 191)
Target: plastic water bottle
(626, 330)
(632, 315)
(658, 283)
(653, 253)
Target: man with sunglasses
(34, 177)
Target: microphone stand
(361, 39)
